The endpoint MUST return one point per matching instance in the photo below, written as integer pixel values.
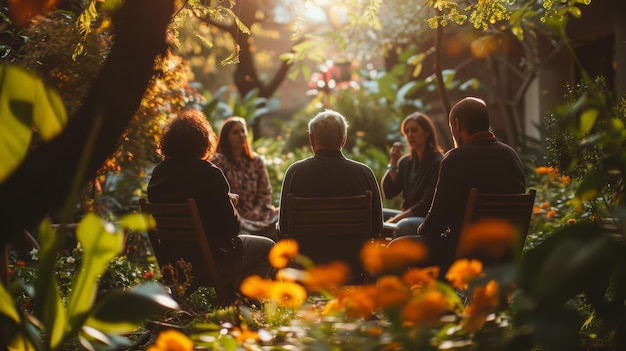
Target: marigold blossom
(377, 259)
(488, 239)
(324, 276)
(484, 302)
(464, 271)
(551, 213)
(172, 340)
(420, 276)
(288, 294)
(391, 291)
(256, 287)
(426, 308)
(359, 301)
(283, 252)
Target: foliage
(51, 53)
(57, 303)
(585, 140)
(26, 104)
(473, 307)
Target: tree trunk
(45, 179)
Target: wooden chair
(179, 234)
(513, 208)
(329, 229)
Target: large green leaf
(25, 102)
(7, 306)
(46, 292)
(100, 243)
(124, 311)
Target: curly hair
(188, 135)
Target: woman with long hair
(414, 175)
(247, 176)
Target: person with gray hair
(329, 174)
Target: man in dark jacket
(478, 161)
(328, 174)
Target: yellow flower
(288, 294)
(488, 239)
(331, 275)
(426, 309)
(377, 258)
(256, 287)
(283, 252)
(172, 340)
(484, 301)
(464, 271)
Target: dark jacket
(490, 166)
(416, 180)
(329, 174)
(176, 180)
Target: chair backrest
(516, 209)
(331, 228)
(179, 234)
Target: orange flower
(550, 213)
(426, 309)
(545, 205)
(536, 209)
(420, 276)
(359, 301)
(488, 239)
(172, 340)
(464, 271)
(571, 220)
(543, 170)
(256, 287)
(377, 258)
(484, 301)
(283, 252)
(326, 276)
(565, 180)
(244, 334)
(288, 294)
(391, 291)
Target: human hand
(395, 153)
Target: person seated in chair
(186, 144)
(479, 161)
(330, 174)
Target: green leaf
(7, 306)
(137, 221)
(588, 120)
(54, 316)
(25, 101)
(100, 244)
(124, 311)
(93, 339)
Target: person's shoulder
(218, 157)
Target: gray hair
(329, 128)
